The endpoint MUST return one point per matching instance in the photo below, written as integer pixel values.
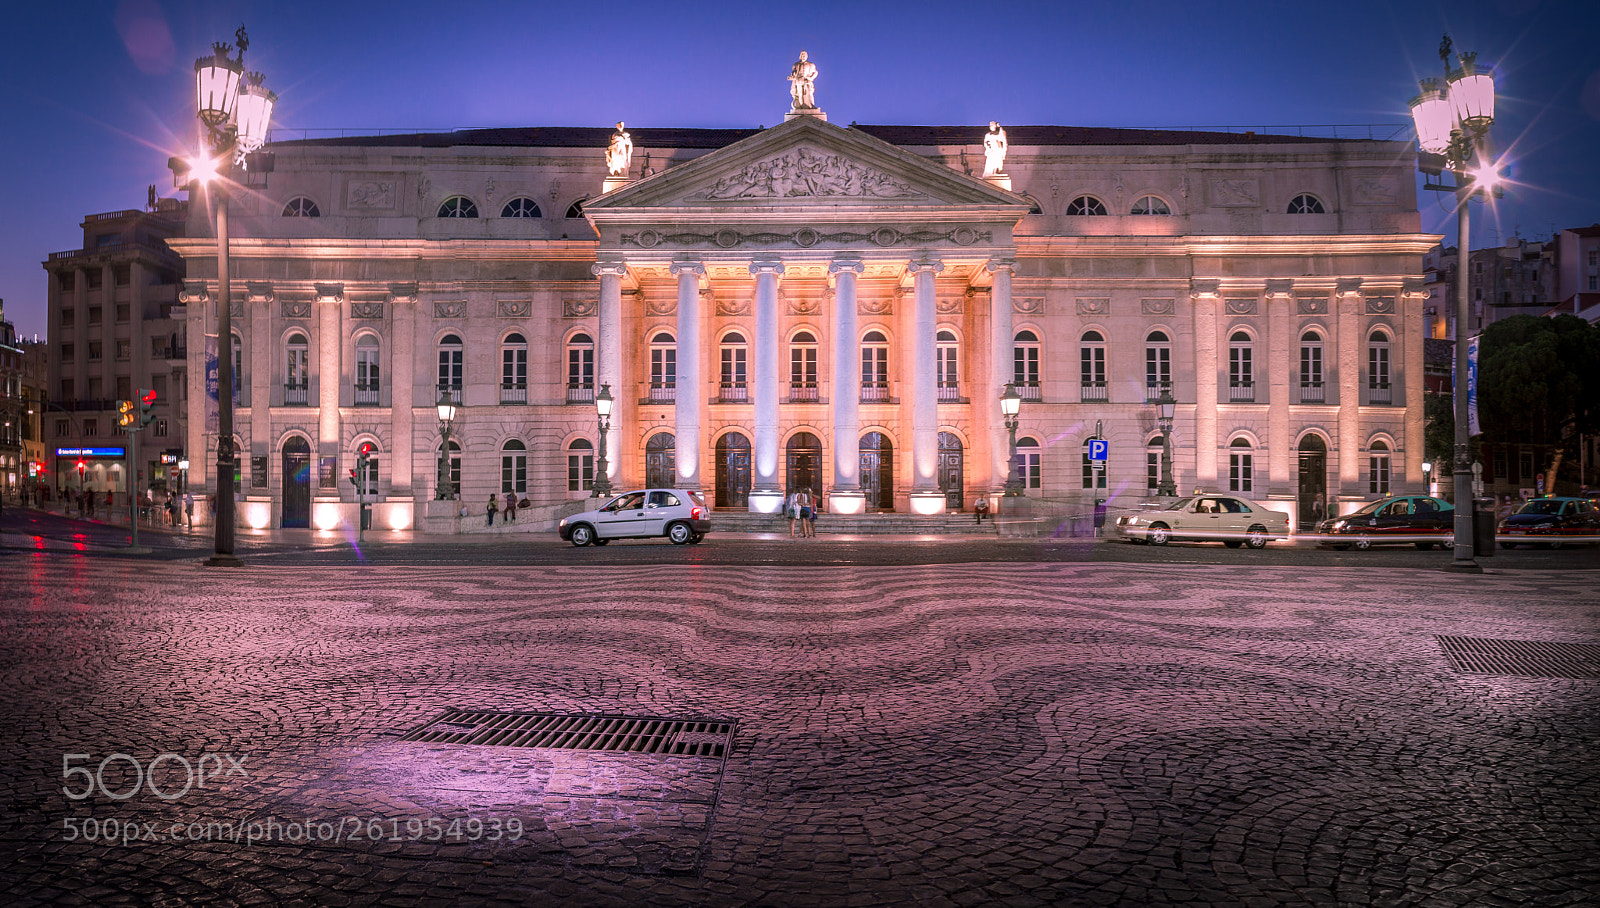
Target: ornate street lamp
(1010, 406)
(1168, 408)
(602, 408)
(447, 417)
(236, 111)
(1452, 131)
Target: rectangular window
(1241, 473)
(1028, 467)
(580, 472)
(514, 367)
(161, 428)
(1152, 471)
(664, 367)
(514, 473)
(733, 365)
(1092, 478)
(124, 349)
(69, 318)
(1499, 466)
(1025, 365)
(1525, 463)
(1157, 371)
(580, 367)
(369, 480)
(367, 370)
(94, 351)
(68, 352)
(61, 428)
(94, 315)
(1093, 365)
(1378, 478)
(122, 313)
(91, 427)
(67, 387)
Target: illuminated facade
(822, 306)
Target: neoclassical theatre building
(815, 305)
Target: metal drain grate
(623, 734)
(1530, 658)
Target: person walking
(494, 505)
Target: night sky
(95, 101)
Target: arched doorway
(951, 469)
(803, 457)
(733, 471)
(661, 461)
(877, 471)
(1313, 480)
(296, 483)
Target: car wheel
(696, 538)
(1159, 534)
(1256, 537)
(582, 535)
(599, 541)
(1362, 543)
(1425, 546)
(1232, 543)
(1508, 545)
(679, 533)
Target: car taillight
(695, 513)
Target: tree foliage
(1539, 383)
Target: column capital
(999, 264)
(678, 268)
(928, 264)
(614, 269)
(766, 267)
(329, 293)
(1348, 286)
(403, 293)
(853, 265)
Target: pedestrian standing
(791, 506)
(511, 507)
(188, 508)
(808, 513)
(493, 506)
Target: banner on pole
(212, 419)
(1472, 387)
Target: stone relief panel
(663, 305)
(1235, 193)
(1241, 306)
(1094, 307)
(236, 308)
(1157, 306)
(807, 173)
(370, 194)
(806, 305)
(1380, 305)
(950, 306)
(733, 307)
(1375, 191)
(1311, 305)
(366, 310)
(514, 308)
(450, 309)
(1032, 305)
(806, 237)
(874, 305)
(295, 308)
(578, 308)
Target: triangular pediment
(804, 163)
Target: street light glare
(203, 168)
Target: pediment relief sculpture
(807, 173)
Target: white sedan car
(1228, 519)
(679, 515)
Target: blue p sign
(1097, 448)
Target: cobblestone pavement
(1018, 734)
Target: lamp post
(1427, 475)
(1452, 131)
(235, 111)
(1168, 408)
(447, 417)
(1010, 406)
(602, 408)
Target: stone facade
(814, 305)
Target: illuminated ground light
(399, 519)
(258, 514)
(327, 516)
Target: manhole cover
(622, 734)
(1529, 658)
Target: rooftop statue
(619, 152)
(802, 84)
(994, 150)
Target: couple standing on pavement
(802, 510)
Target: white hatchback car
(679, 515)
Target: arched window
(514, 369)
(1092, 478)
(297, 371)
(580, 466)
(1025, 364)
(367, 370)
(575, 210)
(1311, 386)
(513, 468)
(1157, 365)
(455, 467)
(803, 366)
(1378, 390)
(1241, 466)
(450, 355)
(734, 368)
(1028, 462)
(1378, 468)
(1305, 203)
(458, 207)
(1241, 368)
(366, 483)
(520, 208)
(663, 367)
(1086, 206)
(1150, 205)
(1154, 450)
(301, 207)
(874, 367)
(580, 369)
(1092, 366)
(948, 353)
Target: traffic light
(128, 414)
(147, 408)
(137, 414)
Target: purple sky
(94, 102)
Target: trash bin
(366, 517)
(1483, 526)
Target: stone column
(846, 496)
(402, 389)
(766, 485)
(1410, 374)
(925, 495)
(986, 400)
(1348, 319)
(330, 343)
(608, 354)
(257, 322)
(689, 397)
(1206, 367)
(1281, 347)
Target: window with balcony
(514, 369)
(368, 376)
(1157, 365)
(1311, 382)
(1378, 389)
(1241, 368)
(297, 371)
(948, 355)
(663, 367)
(238, 366)
(732, 374)
(874, 367)
(450, 376)
(1092, 366)
(1025, 365)
(1241, 466)
(803, 367)
(580, 369)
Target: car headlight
(1337, 526)
(562, 523)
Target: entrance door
(804, 456)
(877, 471)
(1313, 481)
(661, 461)
(733, 471)
(296, 483)
(951, 480)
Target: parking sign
(1098, 449)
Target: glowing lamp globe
(1472, 93)
(216, 84)
(1434, 117)
(253, 113)
(1010, 401)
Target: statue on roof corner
(994, 150)
(619, 153)
(802, 84)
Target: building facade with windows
(811, 305)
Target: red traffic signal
(366, 449)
